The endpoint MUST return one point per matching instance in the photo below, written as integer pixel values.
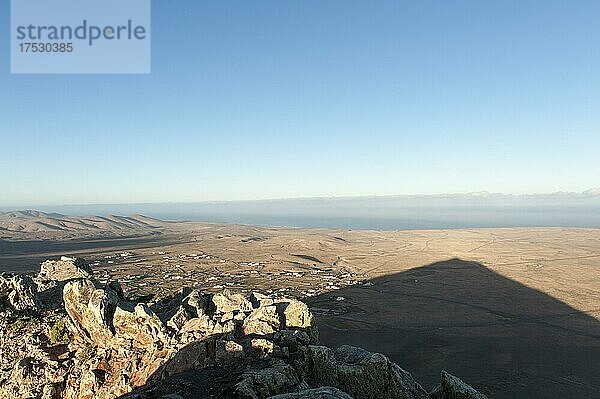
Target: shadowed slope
(506, 339)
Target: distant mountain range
(397, 212)
(30, 221)
(592, 192)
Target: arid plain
(516, 312)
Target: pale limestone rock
(239, 316)
(141, 326)
(196, 301)
(65, 269)
(90, 309)
(197, 324)
(262, 321)
(297, 314)
(227, 317)
(179, 319)
(51, 391)
(261, 348)
(259, 300)
(227, 302)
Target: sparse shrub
(84, 354)
(17, 325)
(59, 333)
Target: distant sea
(375, 213)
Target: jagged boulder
(320, 365)
(178, 309)
(54, 275)
(200, 325)
(65, 269)
(91, 310)
(196, 303)
(262, 321)
(258, 300)
(297, 314)
(178, 320)
(191, 357)
(372, 375)
(19, 291)
(276, 378)
(227, 302)
(452, 387)
(29, 358)
(291, 339)
(360, 373)
(138, 325)
(264, 348)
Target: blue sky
(277, 99)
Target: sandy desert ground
(515, 312)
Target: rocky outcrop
(262, 321)
(343, 368)
(19, 292)
(90, 309)
(90, 342)
(452, 387)
(227, 302)
(54, 275)
(64, 269)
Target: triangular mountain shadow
(505, 339)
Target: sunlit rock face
(64, 269)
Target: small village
(164, 271)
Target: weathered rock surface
(277, 377)
(296, 314)
(91, 310)
(228, 302)
(262, 321)
(54, 275)
(19, 291)
(64, 269)
(452, 387)
(64, 335)
(315, 393)
(360, 373)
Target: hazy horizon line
(591, 192)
